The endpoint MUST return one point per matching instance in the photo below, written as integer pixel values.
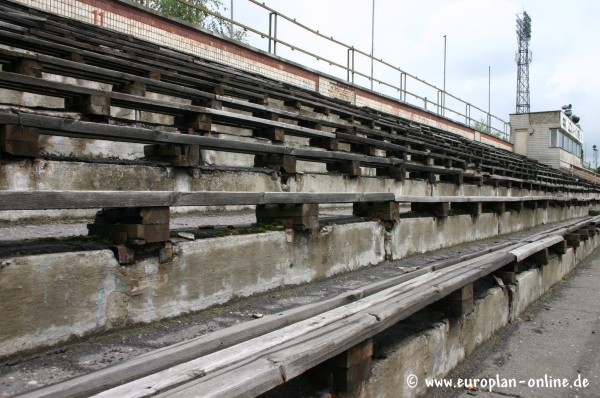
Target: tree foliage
(190, 11)
(482, 126)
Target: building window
(558, 139)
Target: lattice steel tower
(523, 58)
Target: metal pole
(275, 36)
(444, 63)
(348, 65)
(353, 65)
(270, 30)
(489, 98)
(372, 42)
(401, 86)
(231, 18)
(466, 113)
(444, 95)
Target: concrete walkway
(556, 338)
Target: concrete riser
(436, 351)
(66, 175)
(47, 299)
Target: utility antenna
(595, 157)
(523, 59)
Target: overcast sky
(480, 34)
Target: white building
(548, 137)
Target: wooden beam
(508, 273)
(560, 247)
(530, 249)
(281, 163)
(473, 208)
(386, 211)
(94, 104)
(81, 129)
(540, 258)
(346, 370)
(42, 200)
(460, 301)
(19, 141)
(351, 168)
(437, 209)
(301, 216)
(584, 233)
(496, 207)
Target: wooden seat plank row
(181, 59)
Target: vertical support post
(401, 73)
(298, 216)
(231, 19)
(352, 65)
(19, 141)
(275, 36)
(489, 99)
(540, 258)
(132, 225)
(469, 115)
(348, 66)
(344, 372)
(273, 32)
(460, 301)
(444, 95)
(270, 30)
(508, 273)
(386, 211)
(372, 42)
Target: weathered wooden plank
(467, 199)
(180, 64)
(208, 364)
(260, 376)
(527, 250)
(38, 200)
(75, 128)
(166, 357)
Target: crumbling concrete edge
(52, 298)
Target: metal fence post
(350, 68)
(275, 36)
(348, 65)
(273, 32)
(270, 30)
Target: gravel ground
(27, 372)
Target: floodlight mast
(523, 58)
